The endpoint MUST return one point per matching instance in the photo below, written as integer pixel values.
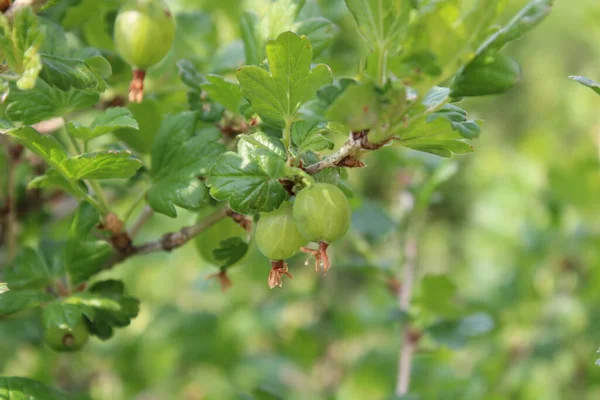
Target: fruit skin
(277, 235)
(322, 213)
(210, 239)
(63, 339)
(144, 32)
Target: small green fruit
(277, 236)
(64, 339)
(322, 213)
(211, 238)
(144, 32)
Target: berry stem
(136, 88)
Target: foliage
(255, 102)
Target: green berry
(322, 213)
(144, 32)
(277, 236)
(210, 239)
(65, 339)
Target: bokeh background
(516, 230)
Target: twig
(346, 155)
(410, 336)
(169, 241)
(141, 221)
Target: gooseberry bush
(261, 147)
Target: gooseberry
(210, 239)
(322, 213)
(144, 32)
(62, 338)
(277, 235)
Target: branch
(346, 156)
(168, 242)
(410, 335)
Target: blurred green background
(516, 230)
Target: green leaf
(62, 314)
(17, 300)
(277, 96)
(108, 307)
(247, 186)
(208, 110)
(179, 158)
(109, 121)
(380, 22)
(69, 73)
(357, 107)
(320, 31)
(99, 66)
(489, 72)
(310, 137)
(230, 251)
(44, 102)
(442, 132)
(528, 18)
(223, 91)
(102, 165)
(54, 180)
(44, 146)
(456, 333)
(84, 256)
(490, 75)
(265, 150)
(15, 388)
(28, 270)
(437, 295)
(20, 46)
(149, 116)
(189, 74)
(595, 86)
(372, 221)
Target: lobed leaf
(179, 158)
(276, 96)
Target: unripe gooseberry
(322, 213)
(144, 32)
(276, 234)
(210, 239)
(65, 339)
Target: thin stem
(287, 135)
(75, 148)
(141, 221)
(409, 343)
(381, 66)
(134, 205)
(170, 241)
(100, 194)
